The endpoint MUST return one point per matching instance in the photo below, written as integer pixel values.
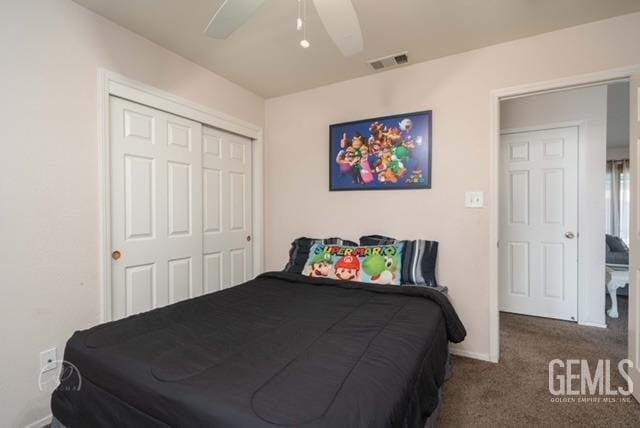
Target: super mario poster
(392, 152)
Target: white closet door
(227, 210)
(538, 223)
(156, 208)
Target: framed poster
(383, 153)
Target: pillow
(299, 251)
(378, 264)
(418, 259)
(377, 240)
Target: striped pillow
(418, 259)
(299, 251)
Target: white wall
(617, 153)
(618, 115)
(457, 88)
(588, 105)
(49, 192)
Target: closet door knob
(569, 235)
(116, 255)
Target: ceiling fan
(338, 17)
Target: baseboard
(592, 324)
(41, 422)
(469, 354)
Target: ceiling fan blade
(341, 22)
(230, 16)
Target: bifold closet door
(227, 209)
(156, 208)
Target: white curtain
(617, 199)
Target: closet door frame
(110, 83)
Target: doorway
(566, 210)
(541, 196)
(595, 79)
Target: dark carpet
(515, 392)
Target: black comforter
(280, 350)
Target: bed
(280, 350)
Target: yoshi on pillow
(377, 264)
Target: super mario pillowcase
(418, 259)
(300, 248)
(376, 264)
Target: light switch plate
(474, 199)
(48, 360)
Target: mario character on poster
(391, 152)
(374, 264)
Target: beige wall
(589, 106)
(49, 184)
(457, 89)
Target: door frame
(580, 125)
(114, 84)
(495, 96)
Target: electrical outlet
(474, 199)
(48, 360)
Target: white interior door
(156, 208)
(227, 210)
(538, 223)
(634, 238)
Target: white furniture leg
(612, 286)
(618, 277)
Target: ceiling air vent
(389, 61)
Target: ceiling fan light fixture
(338, 17)
(301, 23)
